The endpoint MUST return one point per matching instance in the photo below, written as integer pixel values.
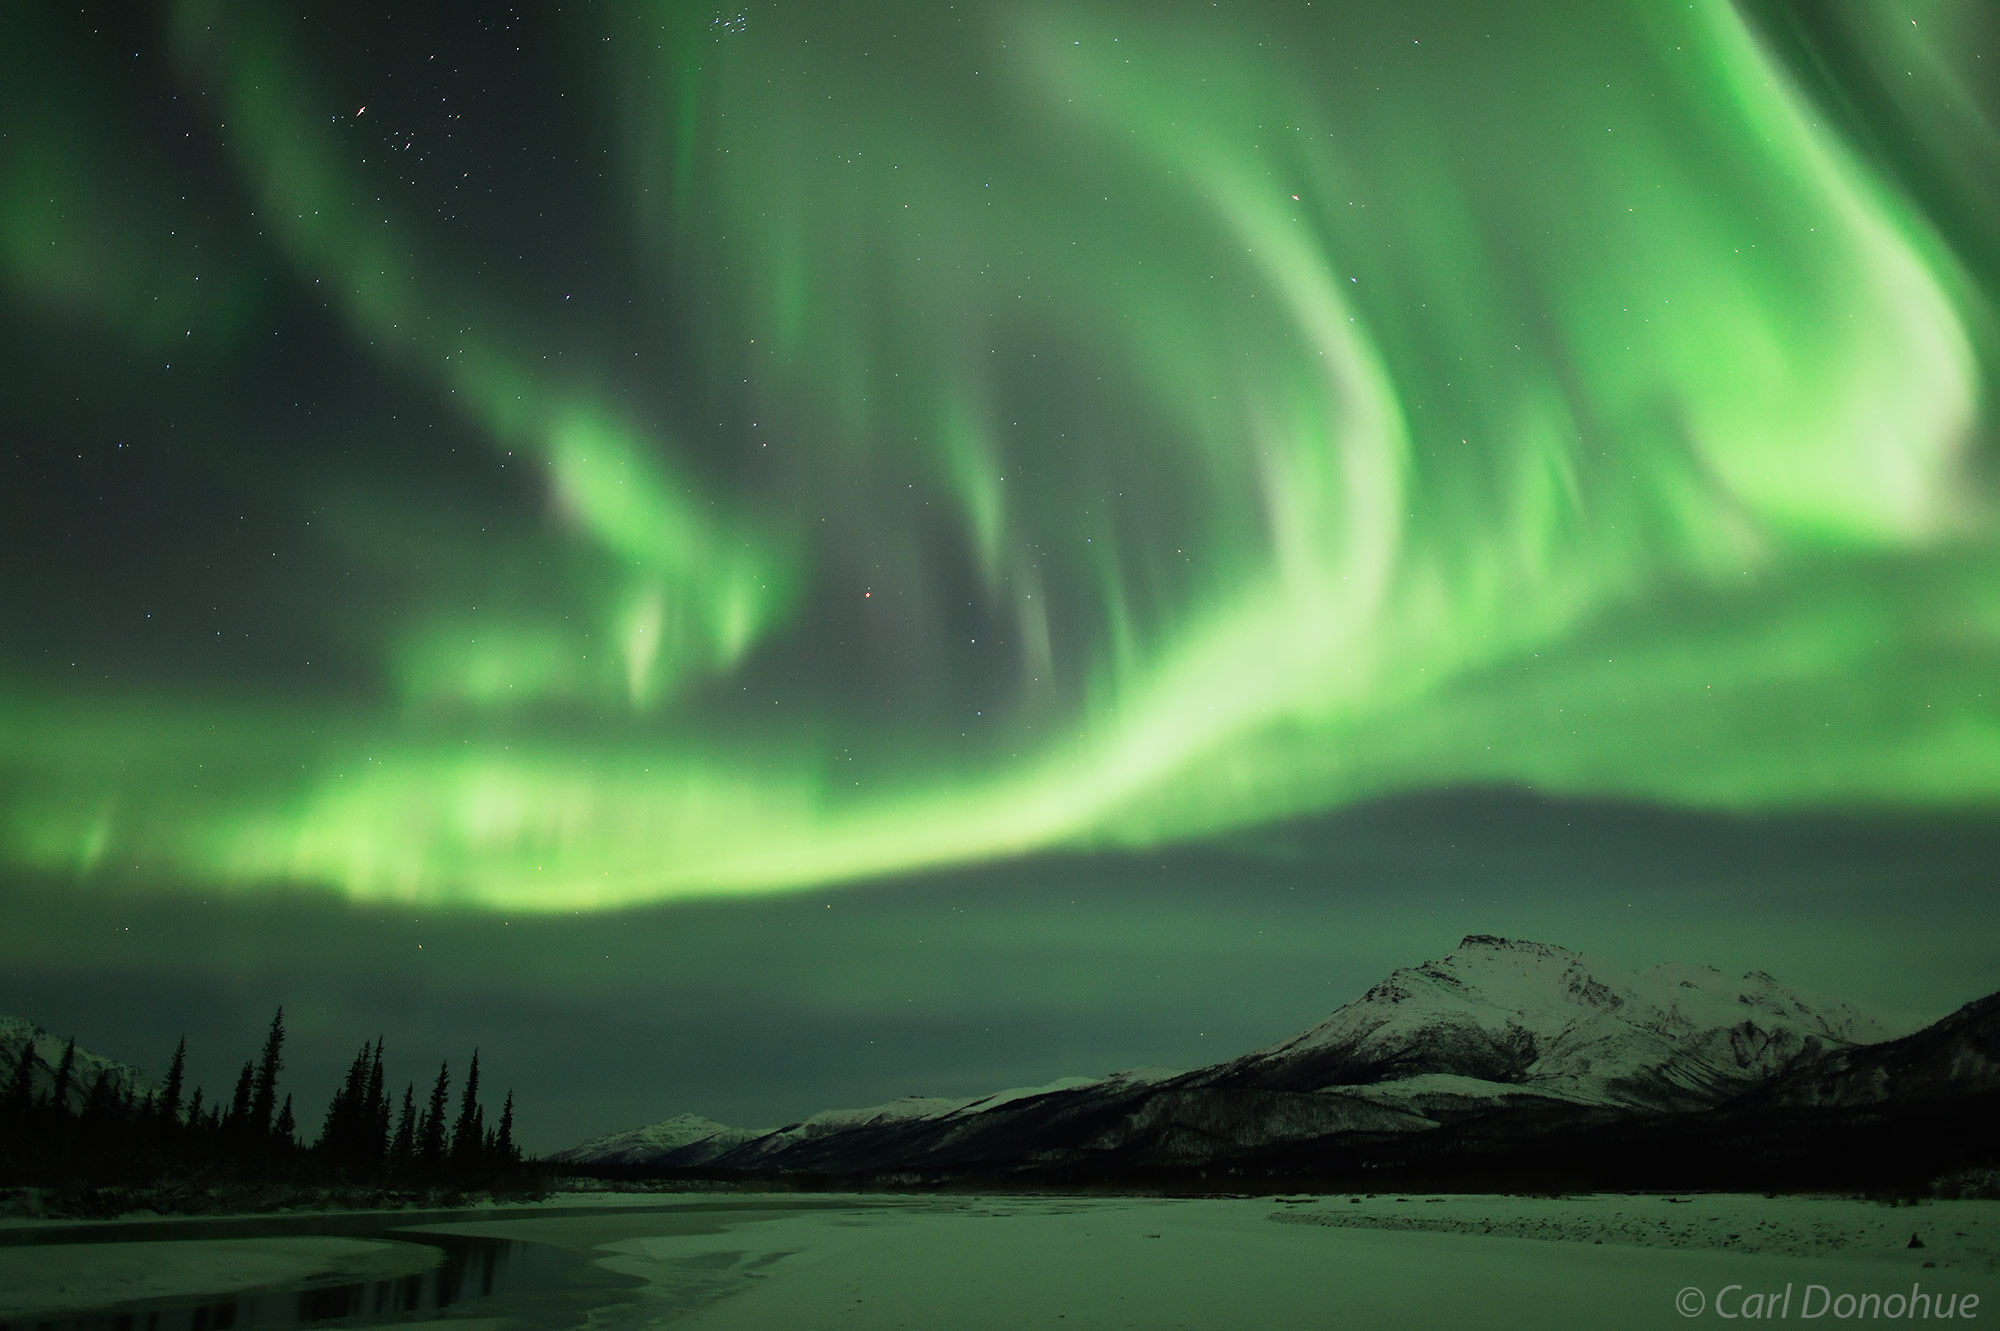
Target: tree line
(119, 1135)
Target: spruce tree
(194, 1119)
(265, 1091)
(341, 1135)
(21, 1089)
(465, 1135)
(374, 1124)
(405, 1144)
(286, 1130)
(239, 1103)
(102, 1098)
(334, 1127)
(59, 1096)
(170, 1098)
(503, 1137)
(430, 1132)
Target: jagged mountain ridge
(1957, 1055)
(1497, 1029)
(1545, 1020)
(687, 1139)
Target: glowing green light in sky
(1384, 404)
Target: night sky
(757, 558)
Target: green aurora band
(1304, 408)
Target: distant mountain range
(84, 1070)
(1504, 1061)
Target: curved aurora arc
(1388, 407)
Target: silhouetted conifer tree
(128, 1135)
(265, 1089)
(170, 1098)
(239, 1103)
(59, 1096)
(405, 1144)
(465, 1134)
(430, 1131)
(503, 1137)
(374, 1125)
(340, 1137)
(21, 1089)
(102, 1098)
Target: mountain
(834, 1138)
(684, 1141)
(920, 1132)
(1500, 1046)
(15, 1034)
(1501, 1017)
(1957, 1056)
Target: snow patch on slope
(14, 1036)
(1531, 1017)
(688, 1138)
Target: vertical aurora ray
(1225, 417)
(617, 488)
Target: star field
(536, 464)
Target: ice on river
(723, 1261)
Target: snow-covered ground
(1955, 1235)
(1224, 1263)
(1141, 1262)
(719, 1261)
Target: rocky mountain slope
(1956, 1056)
(15, 1034)
(686, 1140)
(1503, 1016)
(1500, 1039)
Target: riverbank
(50, 1279)
(736, 1261)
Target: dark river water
(471, 1272)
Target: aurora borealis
(653, 455)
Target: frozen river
(766, 1261)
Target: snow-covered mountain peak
(690, 1136)
(1507, 1038)
(907, 1107)
(1508, 977)
(1480, 943)
(1539, 1017)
